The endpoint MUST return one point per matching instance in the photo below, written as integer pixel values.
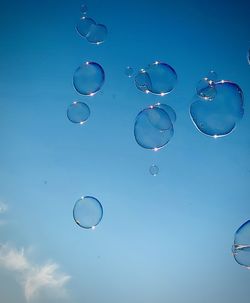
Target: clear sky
(162, 239)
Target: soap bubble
(83, 26)
(78, 112)
(153, 128)
(84, 9)
(129, 71)
(154, 170)
(212, 76)
(241, 247)
(206, 89)
(220, 116)
(88, 78)
(168, 109)
(87, 212)
(97, 34)
(157, 78)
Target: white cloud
(34, 278)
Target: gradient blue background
(162, 239)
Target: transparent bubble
(212, 76)
(153, 128)
(129, 71)
(87, 212)
(241, 247)
(206, 89)
(248, 56)
(84, 25)
(78, 112)
(84, 9)
(157, 78)
(168, 109)
(154, 170)
(88, 78)
(97, 33)
(220, 116)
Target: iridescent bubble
(129, 71)
(168, 109)
(78, 112)
(97, 33)
(88, 212)
(153, 128)
(206, 89)
(154, 170)
(241, 247)
(88, 78)
(84, 9)
(157, 78)
(220, 116)
(83, 26)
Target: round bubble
(168, 109)
(157, 78)
(84, 25)
(78, 112)
(97, 33)
(129, 71)
(154, 170)
(241, 247)
(206, 89)
(212, 76)
(153, 128)
(88, 78)
(219, 117)
(84, 9)
(88, 212)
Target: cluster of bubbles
(241, 246)
(87, 28)
(217, 107)
(87, 212)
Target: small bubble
(212, 76)
(88, 212)
(88, 78)
(206, 89)
(97, 34)
(84, 25)
(241, 247)
(219, 117)
(84, 9)
(129, 71)
(78, 112)
(157, 78)
(154, 170)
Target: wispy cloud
(3, 207)
(34, 278)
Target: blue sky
(162, 239)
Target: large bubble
(87, 212)
(241, 247)
(153, 128)
(78, 112)
(88, 78)
(157, 78)
(220, 116)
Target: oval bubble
(97, 33)
(88, 212)
(149, 128)
(78, 112)
(241, 247)
(219, 117)
(206, 89)
(129, 71)
(88, 78)
(84, 25)
(169, 110)
(154, 170)
(159, 78)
